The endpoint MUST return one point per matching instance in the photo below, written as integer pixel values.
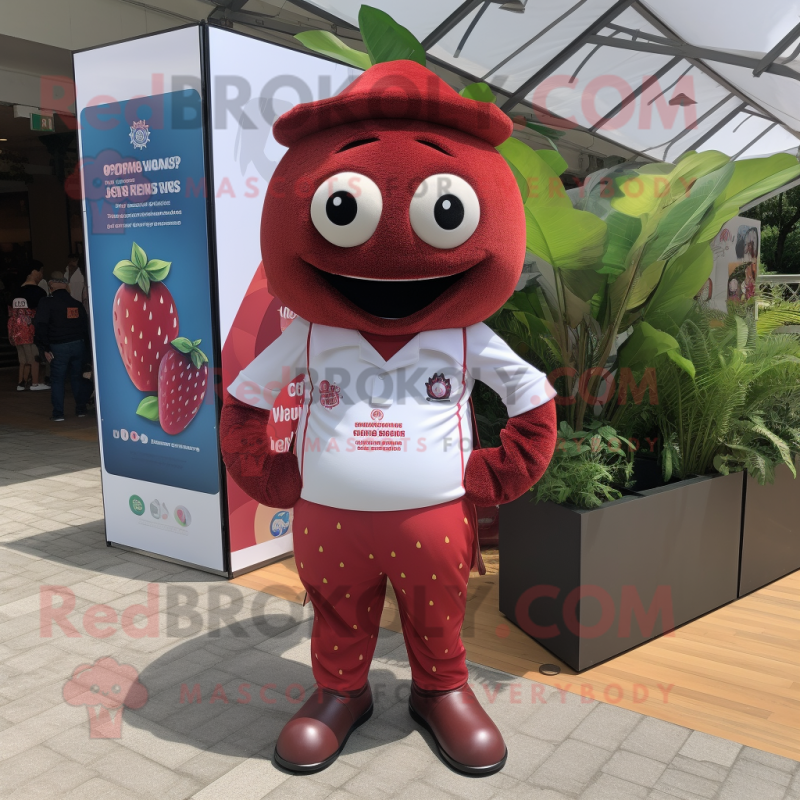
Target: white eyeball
(346, 209)
(444, 211)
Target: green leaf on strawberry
(148, 408)
(138, 270)
(157, 269)
(138, 256)
(190, 347)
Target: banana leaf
(683, 218)
(329, 45)
(564, 237)
(646, 343)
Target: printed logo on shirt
(438, 387)
(377, 415)
(20, 302)
(328, 395)
(72, 313)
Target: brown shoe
(467, 738)
(313, 738)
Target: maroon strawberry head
(182, 382)
(145, 317)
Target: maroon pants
(344, 559)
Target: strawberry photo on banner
(150, 283)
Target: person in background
(75, 276)
(43, 284)
(21, 317)
(62, 332)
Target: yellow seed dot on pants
(402, 574)
(361, 658)
(347, 595)
(355, 627)
(336, 647)
(430, 602)
(394, 555)
(404, 591)
(434, 577)
(306, 531)
(465, 521)
(320, 548)
(369, 608)
(324, 580)
(338, 526)
(433, 668)
(371, 556)
(461, 564)
(341, 563)
(448, 616)
(447, 651)
(340, 672)
(418, 544)
(301, 565)
(426, 638)
(459, 594)
(447, 540)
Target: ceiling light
(517, 6)
(682, 100)
(3, 140)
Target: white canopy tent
(658, 77)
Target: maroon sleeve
(500, 474)
(273, 479)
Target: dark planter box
(644, 565)
(770, 531)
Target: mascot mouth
(387, 298)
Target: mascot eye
(346, 209)
(444, 211)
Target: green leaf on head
(387, 40)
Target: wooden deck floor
(734, 673)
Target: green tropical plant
(587, 468)
(629, 251)
(740, 411)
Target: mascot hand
(497, 475)
(273, 479)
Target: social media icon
(123, 434)
(143, 438)
(183, 517)
(115, 433)
(279, 524)
(136, 504)
(134, 436)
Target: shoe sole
(465, 769)
(307, 769)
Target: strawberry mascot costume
(392, 227)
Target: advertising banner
(736, 251)
(143, 167)
(252, 83)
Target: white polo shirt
(377, 435)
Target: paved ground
(219, 667)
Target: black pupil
(448, 212)
(341, 208)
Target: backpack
(20, 322)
